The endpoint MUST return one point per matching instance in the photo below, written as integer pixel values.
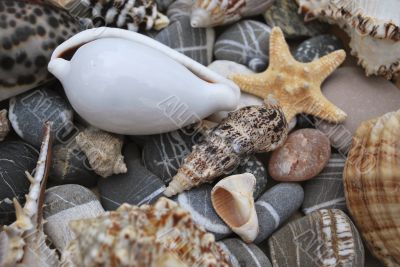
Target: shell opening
(229, 208)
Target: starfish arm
(255, 84)
(279, 52)
(327, 64)
(319, 106)
(290, 112)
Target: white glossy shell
(124, 82)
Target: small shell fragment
(4, 124)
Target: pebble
(322, 238)
(164, 153)
(304, 154)
(284, 14)
(65, 203)
(70, 166)
(361, 97)
(325, 191)
(197, 201)
(245, 42)
(29, 111)
(275, 206)
(136, 187)
(15, 159)
(317, 47)
(196, 43)
(179, 8)
(244, 255)
(162, 5)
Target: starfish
(296, 85)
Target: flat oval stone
(317, 47)
(245, 42)
(63, 204)
(136, 187)
(196, 43)
(284, 14)
(242, 254)
(304, 154)
(15, 159)
(323, 238)
(361, 97)
(326, 191)
(29, 111)
(275, 206)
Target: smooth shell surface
(304, 154)
(124, 82)
(372, 179)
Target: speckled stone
(136, 187)
(15, 159)
(275, 206)
(303, 155)
(179, 8)
(283, 14)
(325, 191)
(196, 43)
(29, 34)
(29, 111)
(317, 47)
(198, 202)
(245, 42)
(163, 154)
(242, 254)
(317, 240)
(361, 97)
(63, 204)
(70, 165)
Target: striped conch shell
(23, 243)
(252, 129)
(373, 26)
(161, 235)
(372, 180)
(210, 13)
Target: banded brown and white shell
(103, 150)
(133, 15)
(248, 130)
(162, 235)
(4, 124)
(373, 26)
(210, 13)
(23, 243)
(372, 180)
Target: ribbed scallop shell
(162, 235)
(210, 13)
(249, 130)
(373, 26)
(103, 150)
(4, 124)
(372, 182)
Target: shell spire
(252, 129)
(24, 242)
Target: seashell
(103, 150)
(125, 14)
(371, 179)
(232, 199)
(4, 124)
(161, 235)
(210, 13)
(23, 241)
(252, 129)
(373, 26)
(106, 76)
(29, 33)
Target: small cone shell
(103, 151)
(232, 199)
(371, 178)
